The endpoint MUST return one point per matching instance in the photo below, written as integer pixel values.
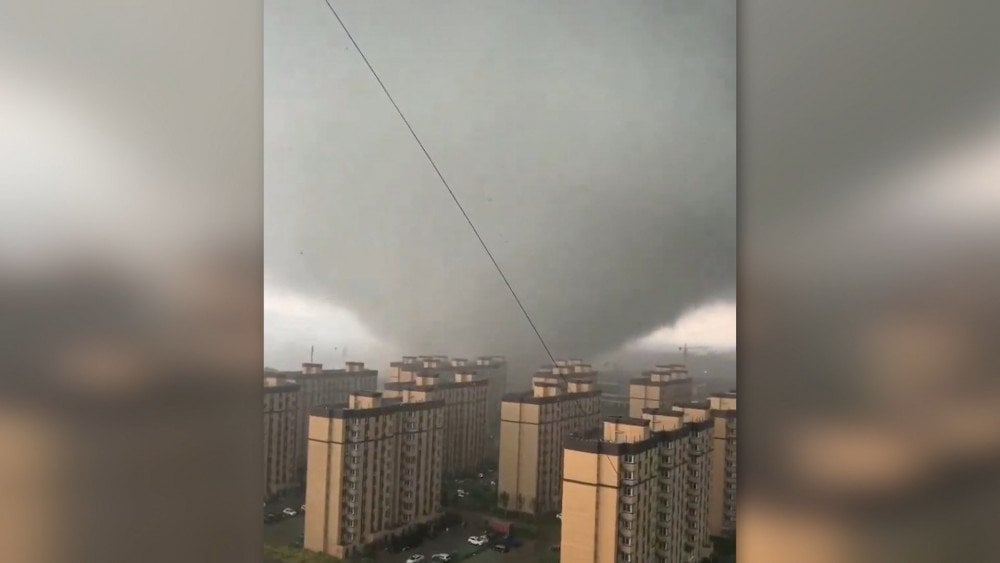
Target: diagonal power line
(443, 181)
(454, 198)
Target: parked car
(441, 557)
(559, 516)
(302, 509)
(415, 558)
(478, 540)
(270, 517)
(501, 547)
(289, 512)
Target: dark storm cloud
(592, 143)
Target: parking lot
(454, 540)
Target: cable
(443, 181)
(454, 198)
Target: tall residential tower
(374, 471)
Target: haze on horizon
(593, 145)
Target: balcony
(627, 516)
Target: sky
(593, 144)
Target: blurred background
(131, 281)
(868, 301)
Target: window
(630, 458)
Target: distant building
(632, 494)
(565, 371)
(464, 394)
(281, 434)
(659, 388)
(374, 471)
(722, 510)
(326, 387)
(494, 369)
(534, 427)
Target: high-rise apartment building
(722, 507)
(632, 492)
(565, 371)
(534, 427)
(659, 388)
(326, 387)
(281, 432)
(464, 395)
(697, 418)
(374, 471)
(493, 369)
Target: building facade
(493, 369)
(534, 426)
(634, 492)
(659, 388)
(464, 395)
(374, 471)
(320, 386)
(722, 510)
(281, 436)
(696, 417)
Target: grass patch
(288, 554)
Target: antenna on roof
(311, 350)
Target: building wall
(465, 419)
(281, 435)
(494, 370)
(699, 475)
(532, 436)
(519, 437)
(722, 508)
(657, 395)
(590, 507)
(611, 501)
(373, 473)
(326, 387)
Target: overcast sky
(592, 143)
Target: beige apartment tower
(326, 387)
(660, 388)
(281, 434)
(564, 371)
(374, 471)
(534, 426)
(464, 395)
(722, 510)
(630, 492)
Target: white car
(289, 511)
(478, 540)
(559, 516)
(441, 557)
(415, 558)
(461, 493)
